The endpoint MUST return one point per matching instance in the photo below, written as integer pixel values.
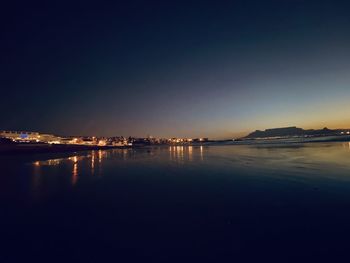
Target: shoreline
(16, 149)
(24, 149)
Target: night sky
(170, 68)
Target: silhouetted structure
(292, 132)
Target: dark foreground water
(178, 204)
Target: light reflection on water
(95, 159)
(347, 145)
(266, 195)
(296, 160)
(181, 153)
(201, 151)
(92, 162)
(330, 153)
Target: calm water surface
(178, 204)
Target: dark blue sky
(204, 68)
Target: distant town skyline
(236, 136)
(175, 69)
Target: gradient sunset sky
(214, 69)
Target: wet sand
(13, 149)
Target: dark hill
(291, 131)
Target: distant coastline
(288, 132)
(286, 135)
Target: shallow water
(287, 202)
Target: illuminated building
(26, 136)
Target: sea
(270, 202)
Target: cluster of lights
(35, 137)
(179, 140)
(102, 143)
(186, 140)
